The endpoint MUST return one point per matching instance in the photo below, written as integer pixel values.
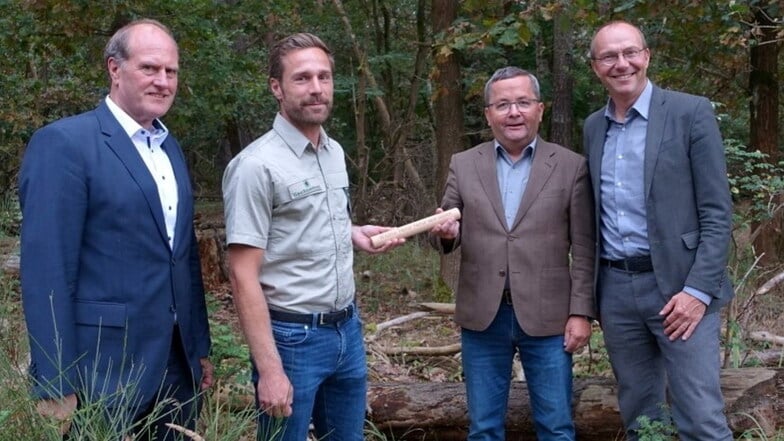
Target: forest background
(409, 77)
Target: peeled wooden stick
(415, 227)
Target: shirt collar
(131, 127)
(642, 105)
(501, 151)
(296, 141)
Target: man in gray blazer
(664, 218)
(527, 261)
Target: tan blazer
(548, 252)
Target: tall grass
(104, 418)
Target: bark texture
(438, 410)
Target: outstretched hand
(360, 236)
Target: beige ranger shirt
(291, 200)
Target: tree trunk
(764, 126)
(438, 410)
(363, 152)
(448, 112)
(561, 118)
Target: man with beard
(290, 238)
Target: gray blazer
(687, 195)
(548, 251)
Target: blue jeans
(327, 369)
(487, 366)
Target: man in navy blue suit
(111, 280)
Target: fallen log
(766, 337)
(438, 410)
(770, 357)
(398, 321)
(772, 283)
(452, 349)
(440, 308)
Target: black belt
(637, 264)
(506, 297)
(321, 318)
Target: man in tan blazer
(527, 261)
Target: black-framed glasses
(506, 106)
(611, 59)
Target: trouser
(177, 402)
(649, 367)
(327, 369)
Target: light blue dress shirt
(624, 224)
(513, 178)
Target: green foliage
(230, 353)
(221, 420)
(10, 215)
(753, 180)
(53, 65)
(597, 363)
(735, 345)
(656, 430)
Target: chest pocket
(312, 214)
(337, 185)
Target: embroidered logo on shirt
(304, 188)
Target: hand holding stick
(415, 227)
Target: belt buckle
(321, 321)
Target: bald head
(608, 27)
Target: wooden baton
(415, 227)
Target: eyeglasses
(506, 106)
(611, 59)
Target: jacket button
(502, 273)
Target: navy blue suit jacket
(687, 196)
(100, 285)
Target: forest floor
(398, 283)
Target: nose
(315, 86)
(514, 109)
(622, 61)
(161, 78)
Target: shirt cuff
(699, 295)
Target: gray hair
(117, 47)
(508, 72)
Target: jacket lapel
(541, 169)
(184, 194)
(488, 178)
(657, 115)
(598, 133)
(122, 146)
